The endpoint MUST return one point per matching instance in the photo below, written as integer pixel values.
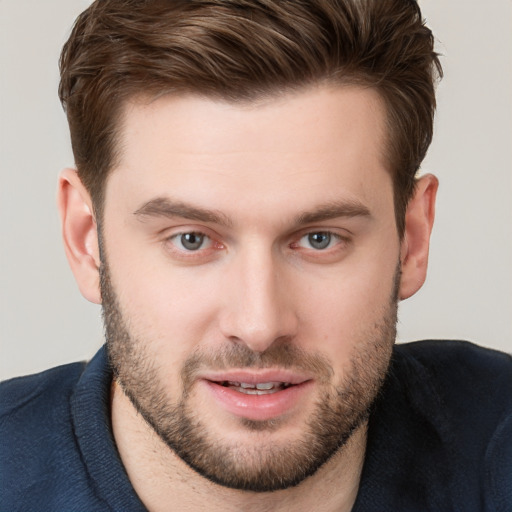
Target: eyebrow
(334, 210)
(168, 208)
(165, 207)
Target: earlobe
(79, 233)
(419, 220)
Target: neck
(164, 482)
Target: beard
(261, 466)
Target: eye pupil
(319, 240)
(192, 241)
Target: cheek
(344, 309)
(170, 310)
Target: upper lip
(257, 376)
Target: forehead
(296, 147)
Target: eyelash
(329, 234)
(187, 254)
(213, 245)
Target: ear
(79, 233)
(419, 219)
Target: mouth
(259, 395)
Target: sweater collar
(90, 409)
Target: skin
(266, 169)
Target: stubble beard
(263, 467)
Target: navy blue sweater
(440, 437)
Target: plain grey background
(43, 319)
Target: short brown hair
(244, 49)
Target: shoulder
(471, 382)
(37, 445)
(461, 368)
(466, 390)
(36, 408)
(25, 393)
(451, 350)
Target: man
(246, 209)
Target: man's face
(249, 278)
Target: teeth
(267, 385)
(260, 388)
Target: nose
(259, 305)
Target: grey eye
(192, 241)
(320, 240)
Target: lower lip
(258, 407)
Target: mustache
(282, 354)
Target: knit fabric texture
(439, 438)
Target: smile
(261, 388)
(257, 397)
